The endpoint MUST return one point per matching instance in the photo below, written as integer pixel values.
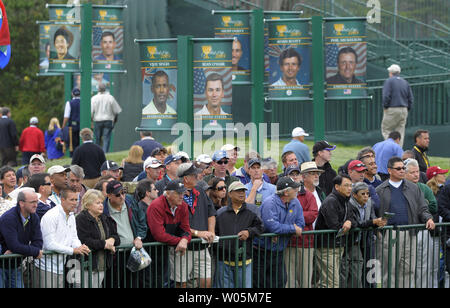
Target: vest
(74, 119)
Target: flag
(5, 42)
(332, 51)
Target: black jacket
(421, 157)
(230, 223)
(90, 157)
(335, 210)
(8, 133)
(326, 178)
(443, 200)
(89, 234)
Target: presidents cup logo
(281, 29)
(155, 53)
(151, 51)
(341, 29)
(103, 14)
(284, 31)
(209, 53)
(47, 28)
(229, 22)
(59, 13)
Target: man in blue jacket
(20, 233)
(397, 101)
(282, 214)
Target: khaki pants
(44, 279)
(90, 183)
(394, 119)
(299, 266)
(328, 266)
(402, 271)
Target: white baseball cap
(229, 147)
(204, 158)
(394, 68)
(57, 169)
(152, 163)
(298, 131)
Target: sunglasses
(399, 168)
(222, 162)
(219, 188)
(120, 194)
(47, 184)
(359, 165)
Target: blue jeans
(225, 276)
(11, 278)
(103, 129)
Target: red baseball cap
(357, 165)
(435, 170)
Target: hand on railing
(380, 222)
(82, 250)
(182, 246)
(109, 245)
(243, 235)
(206, 235)
(137, 243)
(298, 230)
(430, 224)
(347, 226)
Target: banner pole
(86, 66)
(318, 79)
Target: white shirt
(280, 83)
(59, 234)
(205, 111)
(319, 204)
(104, 107)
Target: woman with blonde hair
(132, 164)
(436, 179)
(97, 231)
(53, 141)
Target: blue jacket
(244, 177)
(279, 219)
(26, 241)
(300, 149)
(397, 93)
(384, 150)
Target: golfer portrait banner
(236, 25)
(212, 81)
(273, 15)
(158, 59)
(345, 57)
(44, 48)
(107, 39)
(289, 58)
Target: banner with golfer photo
(65, 47)
(273, 15)
(159, 70)
(212, 81)
(289, 58)
(236, 25)
(345, 57)
(44, 48)
(107, 39)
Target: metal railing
(390, 257)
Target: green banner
(273, 15)
(61, 13)
(345, 57)
(236, 25)
(289, 58)
(44, 48)
(212, 81)
(158, 60)
(107, 39)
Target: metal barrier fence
(390, 257)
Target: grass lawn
(340, 155)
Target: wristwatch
(196, 232)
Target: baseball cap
(204, 158)
(285, 182)
(37, 156)
(34, 120)
(186, 169)
(268, 162)
(110, 165)
(435, 170)
(176, 185)
(291, 168)
(57, 169)
(253, 161)
(171, 158)
(356, 165)
(323, 145)
(394, 68)
(229, 147)
(183, 156)
(236, 185)
(114, 187)
(218, 155)
(298, 131)
(310, 166)
(151, 162)
(76, 92)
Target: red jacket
(164, 226)
(32, 140)
(310, 213)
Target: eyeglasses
(219, 188)
(222, 162)
(399, 168)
